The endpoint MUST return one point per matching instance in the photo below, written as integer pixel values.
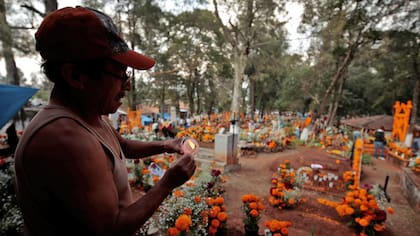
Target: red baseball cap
(80, 34)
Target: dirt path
(310, 216)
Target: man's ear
(71, 74)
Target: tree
(240, 32)
(343, 27)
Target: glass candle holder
(190, 146)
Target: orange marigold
(212, 230)
(187, 211)
(215, 223)
(254, 213)
(197, 199)
(219, 200)
(222, 216)
(378, 227)
(363, 222)
(173, 231)
(178, 193)
(183, 222)
(253, 205)
(391, 210)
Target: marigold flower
(222, 216)
(183, 222)
(349, 210)
(178, 193)
(173, 231)
(219, 200)
(212, 230)
(187, 211)
(254, 213)
(390, 210)
(245, 198)
(197, 199)
(253, 205)
(209, 201)
(216, 209)
(284, 231)
(291, 201)
(378, 227)
(215, 223)
(363, 222)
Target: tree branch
(33, 9)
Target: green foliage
(366, 159)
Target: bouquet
(252, 208)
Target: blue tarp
(145, 120)
(12, 99)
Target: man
(70, 163)
(379, 144)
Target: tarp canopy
(371, 122)
(146, 119)
(12, 99)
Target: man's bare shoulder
(62, 140)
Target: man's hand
(174, 145)
(179, 173)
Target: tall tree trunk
(333, 113)
(239, 62)
(252, 84)
(12, 74)
(338, 75)
(190, 93)
(50, 5)
(416, 91)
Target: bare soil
(310, 217)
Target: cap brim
(135, 60)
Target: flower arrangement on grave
(200, 200)
(348, 179)
(278, 228)
(285, 190)
(251, 207)
(416, 166)
(183, 213)
(204, 132)
(217, 215)
(363, 210)
(142, 177)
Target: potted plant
(252, 208)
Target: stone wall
(410, 184)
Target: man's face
(109, 90)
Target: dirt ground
(310, 216)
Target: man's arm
(134, 149)
(78, 173)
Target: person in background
(71, 177)
(379, 144)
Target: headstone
(223, 146)
(225, 150)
